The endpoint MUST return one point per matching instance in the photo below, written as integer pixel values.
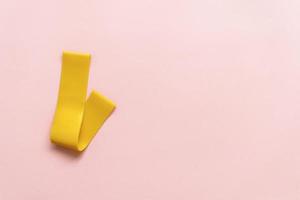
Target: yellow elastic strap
(76, 119)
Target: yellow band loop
(77, 120)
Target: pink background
(208, 96)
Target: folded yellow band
(77, 120)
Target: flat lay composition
(150, 100)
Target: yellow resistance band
(76, 119)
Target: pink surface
(208, 96)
